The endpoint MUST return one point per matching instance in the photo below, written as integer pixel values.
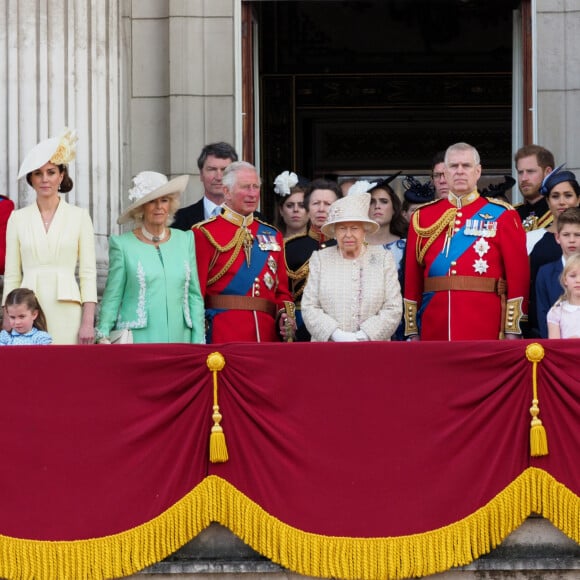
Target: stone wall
(535, 551)
(182, 56)
(558, 79)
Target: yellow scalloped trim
(112, 556)
(214, 499)
(394, 558)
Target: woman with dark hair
(319, 195)
(292, 217)
(386, 210)
(47, 241)
(562, 191)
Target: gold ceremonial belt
(241, 303)
(471, 283)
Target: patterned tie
(216, 211)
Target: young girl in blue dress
(26, 318)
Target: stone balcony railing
(535, 551)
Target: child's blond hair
(573, 261)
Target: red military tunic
(241, 256)
(478, 242)
(6, 207)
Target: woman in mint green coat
(152, 287)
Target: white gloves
(343, 336)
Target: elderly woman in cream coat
(352, 293)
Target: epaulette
(429, 203)
(500, 202)
(295, 237)
(266, 224)
(545, 220)
(207, 221)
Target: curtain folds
(377, 460)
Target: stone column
(61, 64)
(182, 84)
(558, 69)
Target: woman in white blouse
(352, 292)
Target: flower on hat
(334, 213)
(285, 182)
(66, 149)
(146, 182)
(361, 186)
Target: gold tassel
(218, 450)
(538, 436)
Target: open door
(378, 86)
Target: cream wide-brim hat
(150, 185)
(352, 208)
(59, 150)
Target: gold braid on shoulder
(545, 220)
(236, 243)
(297, 276)
(432, 232)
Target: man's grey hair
(462, 147)
(231, 173)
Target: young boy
(548, 288)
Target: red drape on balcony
(379, 447)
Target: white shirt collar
(208, 207)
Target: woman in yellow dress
(47, 240)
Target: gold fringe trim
(112, 556)
(395, 558)
(554, 501)
(214, 499)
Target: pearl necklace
(153, 238)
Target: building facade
(147, 83)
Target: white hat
(149, 185)
(351, 208)
(59, 150)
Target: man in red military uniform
(241, 267)
(466, 270)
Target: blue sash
(244, 278)
(460, 243)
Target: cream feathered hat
(149, 185)
(59, 150)
(352, 208)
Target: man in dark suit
(213, 160)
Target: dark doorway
(370, 87)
